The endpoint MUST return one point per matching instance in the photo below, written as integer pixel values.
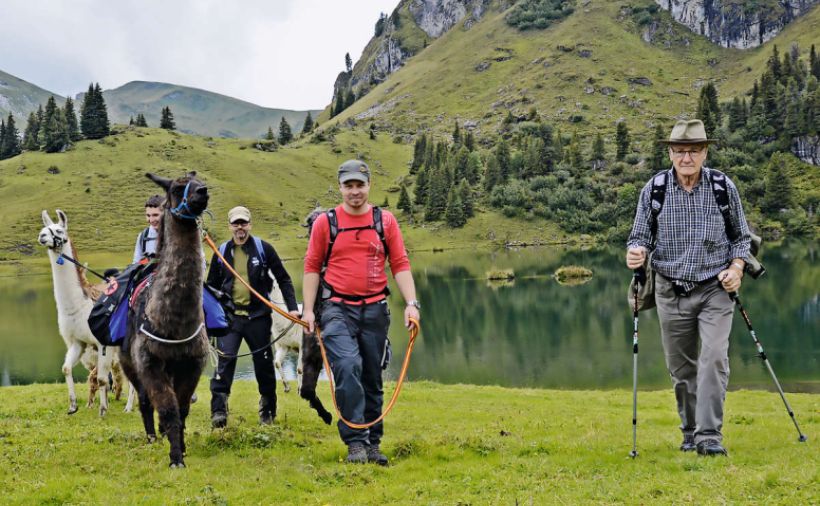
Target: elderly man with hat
(698, 255)
(345, 270)
(253, 259)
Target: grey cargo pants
(356, 341)
(699, 379)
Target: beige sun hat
(688, 132)
(239, 213)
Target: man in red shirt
(355, 315)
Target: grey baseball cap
(354, 169)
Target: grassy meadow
(448, 444)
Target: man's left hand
(295, 314)
(730, 279)
(410, 312)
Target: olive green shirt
(241, 295)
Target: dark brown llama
(166, 344)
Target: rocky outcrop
(387, 52)
(740, 25)
(435, 17)
(807, 149)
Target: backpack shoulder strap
(222, 249)
(333, 228)
(719, 184)
(378, 224)
(656, 200)
(144, 239)
(260, 250)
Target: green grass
(449, 444)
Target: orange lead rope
(414, 332)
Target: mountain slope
(20, 97)
(584, 73)
(197, 111)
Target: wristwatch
(414, 303)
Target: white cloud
(275, 53)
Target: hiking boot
(356, 453)
(711, 447)
(688, 444)
(376, 456)
(266, 418)
(219, 420)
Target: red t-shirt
(357, 262)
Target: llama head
(54, 235)
(186, 197)
(311, 218)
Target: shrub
(538, 14)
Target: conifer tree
(737, 115)
(465, 193)
(454, 213)
(779, 193)
(492, 174)
(420, 192)
(11, 139)
(141, 122)
(573, 154)
(773, 64)
(285, 134)
(598, 155)
(475, 167)
(54, 134)
(419, 150)
(794, 120)
(436, 194)
(103, 125)
(269, 135)
(622, 141)
(348, 63)
(404, 203)
(31, 137)
(660, 153)
(167, 120)
(338, 104)
(372, 131)
(814, 63)
(469, 142)
(308, 126)
(93, 114)
(456, 137)
(350, 98)
(131, 121)
(71, 125)
(502, 156)
(2, 139)
(709, 109)
(461, 162)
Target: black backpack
(719, 185)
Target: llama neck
(176, 294)
(68, 291)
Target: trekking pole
(640, 279)
(762, 355)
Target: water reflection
(529, 332)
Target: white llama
(75, 297)
(290, 341)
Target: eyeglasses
(683, 152)
(240, 223)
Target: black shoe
(688, 444)
(266, 418)
(376, 456)
(219, 420)
(711, 447)
(356, 453)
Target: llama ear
(161, 181)
(191, 174)
(47, 219)
(63, 219)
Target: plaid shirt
(691, 244)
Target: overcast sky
(275, 53)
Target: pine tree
(456, 137)
(622, 141)
(460, 164)
(404, 203)
(372, 132)
(814, 63)
(794, 121)
(436, 195)
(11, 144)
(93, 114)
(737, 115)
(131, 121)
(454, 213)
(492, 174)
(420, 192)
(475, 168)
(141, 122)
(773, 64)
(419, 150)
(660, 152)
(502, 156)
(709, 109)
(338, 104)
(469, 142)
(308, 126)
(54, 134)
(167, 120)
(598, 155)
(71, 125)
(465, 193)
(103, 125)
(350, 98)
(285, 134)
(2, 139)
(573, 154)
(778, 188)
(348, 63)
(31, 137)
(269, 135)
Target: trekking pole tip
(802, 438)
(633, 453)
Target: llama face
(53, 235)
(194, 202)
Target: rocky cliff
(736, 24)
(408, 30)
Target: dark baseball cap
(354, 169)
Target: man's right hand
(309, 318)
(635, 257)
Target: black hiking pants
(256, 332)
(358, 350)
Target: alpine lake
(529, 331)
